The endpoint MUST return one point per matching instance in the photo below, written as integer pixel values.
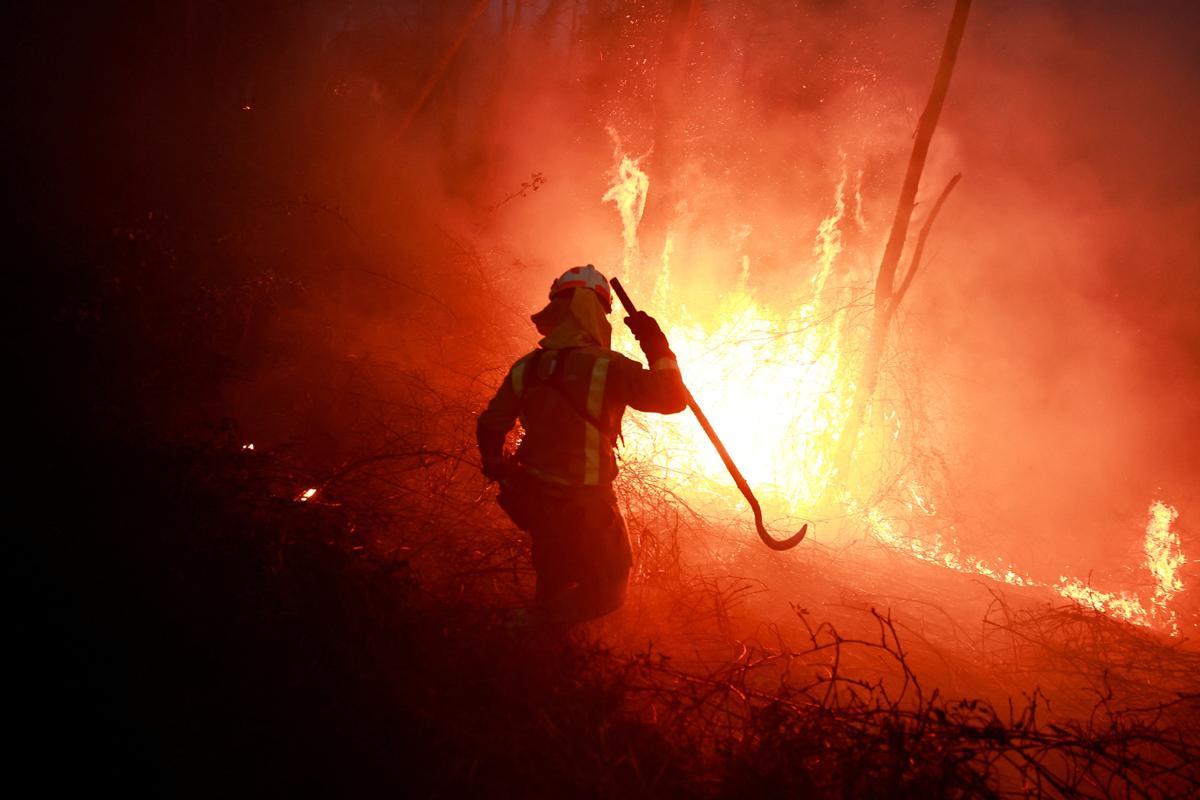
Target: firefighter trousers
(581, 549)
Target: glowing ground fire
(778, 386)
(1162, 547)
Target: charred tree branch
(916, 163)
(885, 301)
(898, 297)
(442, 65)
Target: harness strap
(528, 377)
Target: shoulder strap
(554, 382)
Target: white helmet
(586, 277)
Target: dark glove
(653, 341)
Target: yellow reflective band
(596, 387)
(518, 377)
(591, 445)
(666, 362)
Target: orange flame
(1164, 557)
(628, 193)
(778, 387)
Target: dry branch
(885, 302)
(915, 263)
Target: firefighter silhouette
(570, 394)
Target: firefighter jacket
(570, 402)
(570, 395)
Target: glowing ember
(307, 495)
(249, 446)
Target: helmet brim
(606, 302)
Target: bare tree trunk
(443, 63)
(544, 27)
(886, 298)
(574, 33)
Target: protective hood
(574, 320)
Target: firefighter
(570, 394)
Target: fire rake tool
(769, 540)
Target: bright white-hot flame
(306, 495)
(773, 384)
(772, 387)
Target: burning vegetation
(928, 268)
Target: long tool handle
(769, 540)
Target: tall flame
(628, 193)
(774, 384)
(1164, 556)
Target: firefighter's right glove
(653, 341)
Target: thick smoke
(1055, 314)
(1054, 321)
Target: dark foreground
(205, 638)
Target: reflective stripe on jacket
(570, 403)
